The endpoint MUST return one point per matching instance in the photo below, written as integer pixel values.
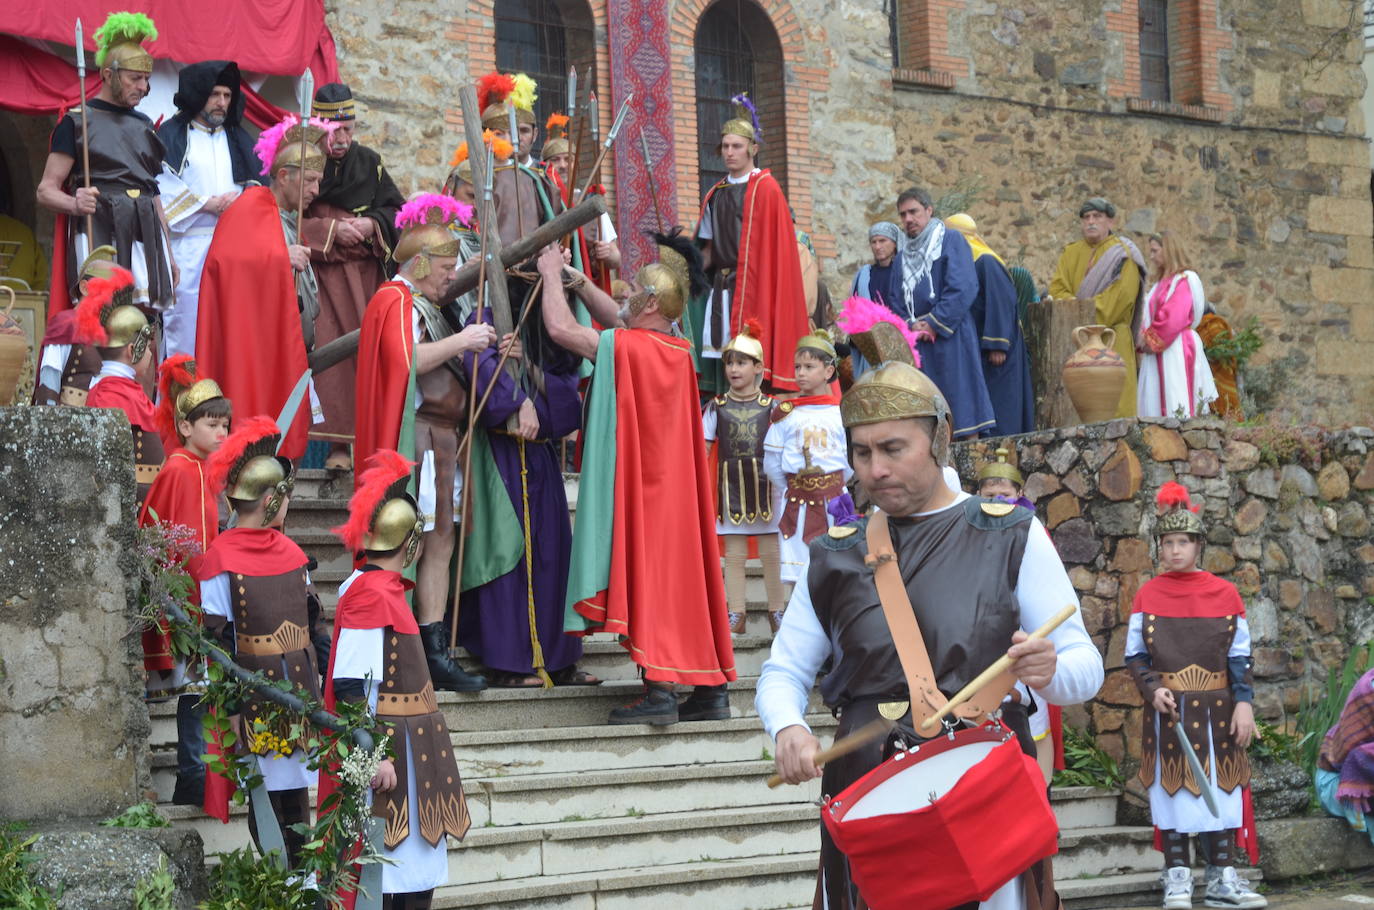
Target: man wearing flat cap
(1106, 268)
(351, 231)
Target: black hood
(196, 82)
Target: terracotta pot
(1093, 374)
(14, 350)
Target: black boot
(190, 790)
(705, 703)
(657, 706)
(444, 670)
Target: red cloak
(768, 282)
(374, 599)
(1188, 594)
(665, 596)
(386, 345)
(248, 334)
(126, 395)
(178, 496)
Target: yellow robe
(1115, 305)
(29, 262)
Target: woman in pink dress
(1174, 378)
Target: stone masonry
(1288, 514)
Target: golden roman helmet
(1179, 516)
(247, 468)
(424, 241)
(296, 141)
(99, 264)
(746, 342)
(382, 516)
(556, 147)
(201, 391)
(745, 121)
(396, 523)
(660, 280)
(106, 316)
(1001, 468)
(119, 42)
(819, 342)
(895, 389)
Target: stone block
(1164, 444)
(1132, 555)
(1268, 88)
(1119, 689)
(1062, 457)
(1263, 482)
(1300, 478)
(1203, 463)
(1061, 508)
(1365, 553)
(1247, 578)
(1217, 561)
(1117, 519)
(1246, 547)
(1351, 521)
(1275, 560)
(1041, 484)
(1272, 663)
(1239, 455)
(1337, 357)
(1334, 215)
(1076, 541)
(1078, 483)
(1108, 720)
(99, 868)
(1082, 579)
(1120, 476)
(1306, 846)
(1263, 619)
(1306, 556)
(1347, 592)
(1249, 518)
(1290, 593)
(1325, 13)
(1098, 615)
(1350, 151)
(1321, 609)
(1333, 482)
(1365, 479)
(1106, 586)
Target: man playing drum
(979, 575)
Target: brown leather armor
(1187, 655)
(273, 631)
(744, 493)
(83, 363)
(407, 705)
(148, 459)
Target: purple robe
(494, 619)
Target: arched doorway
(543, 38)
(737, 50)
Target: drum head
(920, 783)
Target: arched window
(737, 50)
(542, 38)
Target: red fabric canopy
(275, 37)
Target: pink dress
(1177, 381)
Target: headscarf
(1349, 746)
(886, 229)
(965, 225)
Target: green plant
(157, 891)
(245, 881)
(1086, 764)
(1275, 744)
(1317, 715)
(958, 198)
(143, 815)
(17, 890)
(1233, 348)
(1280, 443)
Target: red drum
(948, 822)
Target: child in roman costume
(256, 596)
(806, 454)
(746, 502)
(108, 319)
(193, 418)
(1188, 648)
(377, 656)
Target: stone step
(1108, 892)
(1108, 850)
(761, 883)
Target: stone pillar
(73, 725)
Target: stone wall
(1288, 515)
(73, 725)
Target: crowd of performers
(207, 265)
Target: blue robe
(494, 619)
(952, 361)
(882, 284)
(994, 314)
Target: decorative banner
(641, 62)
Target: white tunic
(1042, 588)
(1183, 811)
(415, 866)
(814, 432)
(206, 171)
(279, 772)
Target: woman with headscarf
(1175, 379)
(1345, 767)
(881, 281)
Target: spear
(472, 406)
(649, 173)
(85, 130)
(515, 166)
(575, 167)
(307, 95)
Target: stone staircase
(569, 812)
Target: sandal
(775, 620)
(499, 679)
(737, 621)
(571, 676)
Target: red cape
(178, 496)
(375, 599)
(248, 334)
(126, 395)
(665, 594)
(251, 551)
(1188, 594)
(768, 284)
(386, 345)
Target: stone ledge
(1294, 847)
(912, 78)
(1174, 109)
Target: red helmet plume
(218, 466)
(1174, 494)
(382, 469)
(493, 89)
(100, 292)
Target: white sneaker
(1178, 888)
(1228, 889)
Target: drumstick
(1001, 665)
(861, 737)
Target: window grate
(536, 38)
(1154, 49)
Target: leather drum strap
(926, 698)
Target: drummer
(979, 574)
